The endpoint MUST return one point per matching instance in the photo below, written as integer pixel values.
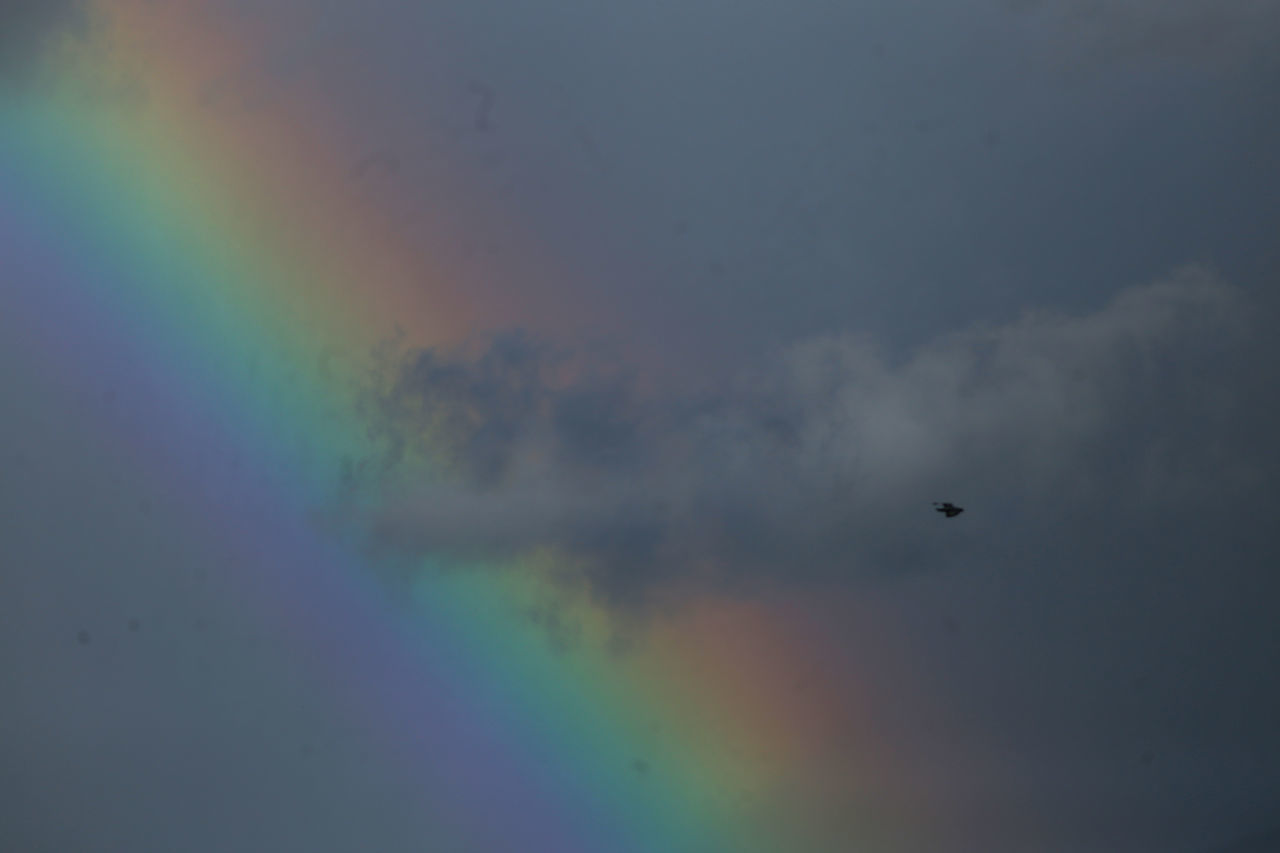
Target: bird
(948, 509)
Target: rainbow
(225, 275)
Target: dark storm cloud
(826, 460)
(27, 27)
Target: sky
(492, 426)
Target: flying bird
(948, 509)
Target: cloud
(27, 27)
(825, 461)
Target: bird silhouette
(948, 509)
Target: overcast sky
(846, 259)
(732, 178)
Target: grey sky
(28, 26)
(1019, 254)
(731, 178)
